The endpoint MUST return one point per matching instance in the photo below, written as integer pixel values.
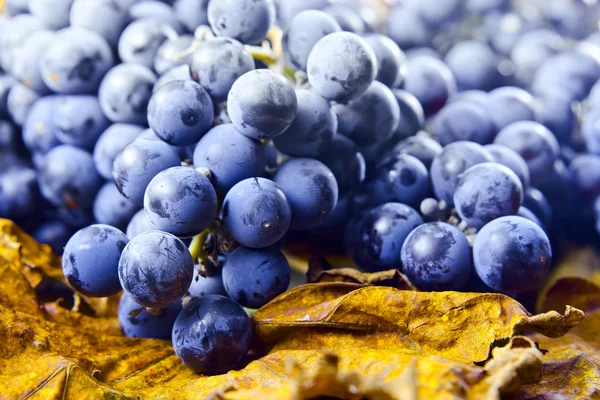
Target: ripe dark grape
(25, 64)
(463, 120)
(249, 27)
(110, 143)
(112, 208)
(19, 192)
(390, 59)
(408, 29)
(346, 163)
(79, 120)
(511, 159)
(400, 178)
(54, 13)
(136, 321)
(141, 39)
(179, 73)
(191, 13)
(207, 285)
(19, 102)
(509, 104)
(104, 17)
(38, 130)
(170, 53)
(430, 81)
(481, 75)
(423, 147)
(138, 224)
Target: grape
(6, 84)
(527, 214)
(19, 193)
(76, 62)
(390, 59)
(463, 120)
(207, 285)
(286, 10)
(54, 233)
(430, 81)
(512, 255)
(558, 116)
(311, 190)
(371, 118)
(590, 130)
(253, 277)
(172, 53)
(245, 20)
(424, 148)
(536, 202)
(476, 96)
(256, 213)
(91, 259)
(180, 112)
(262, 104)
(14, 31)
(509, 104)
(313, 129)
(125, 92)
(156, 10)
(455, 159)
(110, 143)
(104, 17)
(487, 191)
(503, 30)
(375, 240)
(346, 163)
(69, 177)
(54, 13)
(19, 102)
(111, 208)
(26, 62)
(217, 63)
(138, 163)
(407, 28)
(341, 66)
(347, 17)
(571, 18)
(38, 129)
(138, 224)
(487, 6)
(511, 159)
(10, 139)
(179, 73)
(16, 7)
(585, 175)
(191, 13)
(400, 178)
(303, 32)
(531, 50)
(535, 143)
(137, 322)
(480, 75)
(212, 334)
(79, 120)
(437, 12)
(593, 99)
(181, 201)
(229, 156)
(156, 269)
(141, 39)
(436, 256)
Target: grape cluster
(170, 149)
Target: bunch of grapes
(169, 149)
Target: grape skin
(137, 322)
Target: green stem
(197, 246)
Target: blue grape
(54, 233)
(531, 50)
(463, 120)
(430, 81)
(341, 66)
(217, 63)
(76, 62)
(105, 17)
(571, 18)
(503, 30)
(125, 92)
(207, 285)
(253, 277)
(313, 129)
(346, 163)
(455, 159)
(511, 159)
(156, 269)
(512, 255)
(590, 131)
(476, 96)
(137, 322)
(311, 190)
(437, 12)
(141, 39)
(262, 104)
(138, 163)
(179, 73)
(6, 84)
(375, 240)
(400, 178)
(14, 31)
(26, 62)
(256, 213)
(423, 147)
(390, 59)
(481, 75)
(302, 33)
(38, 129)
(91, 259)
(558, 116)
(19, 193)
(535, 143)
(487, 6)
(594, 97)
(370, 118)
(229, 156)
(69, 177)
(54, 13)
(406, 27)
(191, 13)
(286, 10)
(527, 214)
(110, 143)
(79, 120)
(157, 10)
(245, 20)
(19, 102)
(347, 17)
(180, 112)
(181, 201)
(172, 53)
(585, 175)
(537, 203)
(487, 191)
(10, 139)
(16, 7)
(111, 208)
(437, 256)
(138, 224)
(212, 334)
(509, 104)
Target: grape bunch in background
(170, 149)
